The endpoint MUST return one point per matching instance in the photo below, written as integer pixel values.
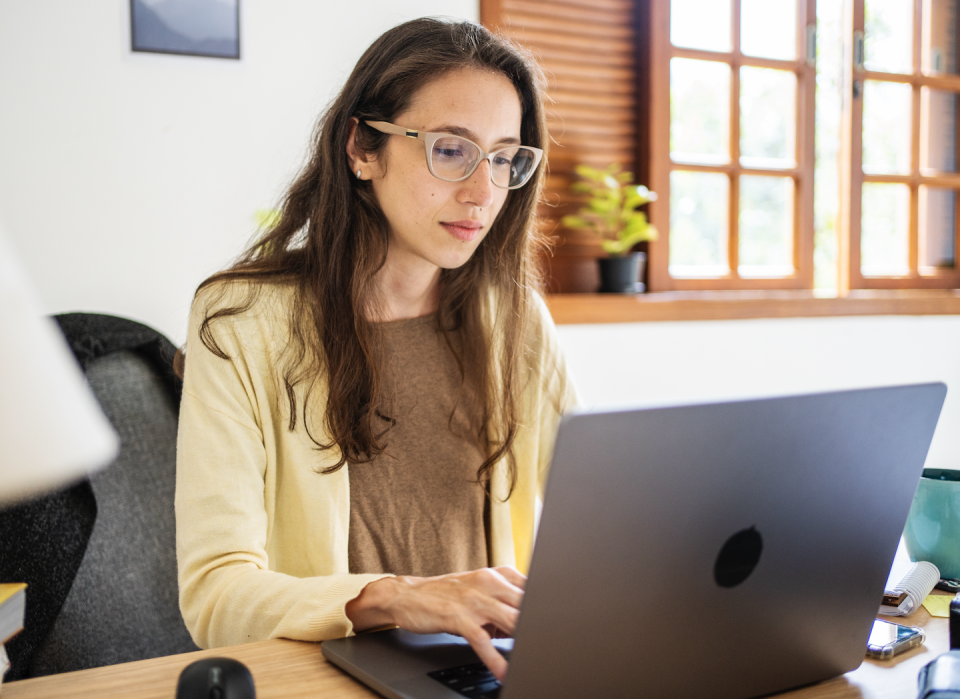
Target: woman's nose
(478, 188)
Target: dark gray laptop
(723, 550)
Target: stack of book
(13, 603)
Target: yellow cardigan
(261, 535)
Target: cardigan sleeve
(228, 592)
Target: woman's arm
(227, 479)
(228, 593)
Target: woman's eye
(502, 161)
(448, 153)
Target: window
(900, 180)
(732, 144)
(774, 170)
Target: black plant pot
(621, 275)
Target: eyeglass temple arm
(386, 127)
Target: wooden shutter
(587, 49)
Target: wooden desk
(293, 669)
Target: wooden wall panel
(587, 49)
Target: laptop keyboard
(474, 681)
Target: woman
(372, 391)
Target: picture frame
(208, 28)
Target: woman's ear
(363, 165)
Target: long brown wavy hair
(332, 239)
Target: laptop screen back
(725, 550)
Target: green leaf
(630, 217)
(614, 247)
(601, 206)
(589, 173)
(632, 226)
(267, 219)
(632, 199)
(576, 222)
(630, 240)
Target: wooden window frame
(661, 51)
(853, 178)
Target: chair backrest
(123, 605)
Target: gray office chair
(123, 604)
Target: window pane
(884, 230)
(939, 42)
(698, 224)
(701, 24)
(938, 211)
(886, 127)
(766, 226)
(938, 131)
(699, 111)
(768, 28)
(768, 118)
(888, 35)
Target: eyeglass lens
(452, 158)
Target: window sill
(737, 305)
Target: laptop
(727, 550)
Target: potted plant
(611, 213)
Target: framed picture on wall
(186, 27)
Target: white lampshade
(52, 430)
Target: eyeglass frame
(430, 138)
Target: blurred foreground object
(52, 431)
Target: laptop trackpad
(401, 659)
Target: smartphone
(887, 640)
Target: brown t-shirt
(417, 509)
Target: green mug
(933, 525)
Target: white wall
(643, 364)
(127, 178)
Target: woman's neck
(406, 292)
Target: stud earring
(358, 174)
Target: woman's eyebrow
(467, 133)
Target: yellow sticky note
(938, 605)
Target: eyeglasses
(453, 158)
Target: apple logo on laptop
(738, 557)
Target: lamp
(52, 430)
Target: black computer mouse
(216, 678)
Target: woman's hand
(478, 605)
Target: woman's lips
(463, 230)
